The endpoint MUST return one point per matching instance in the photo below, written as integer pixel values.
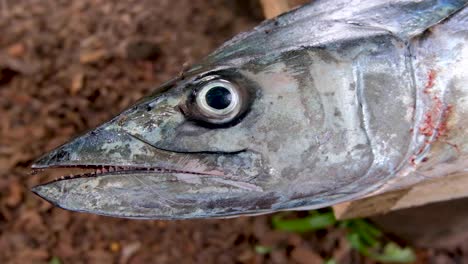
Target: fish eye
(219, 101)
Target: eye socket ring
(219, 101)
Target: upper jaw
(112, 149)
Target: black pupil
(218, 97)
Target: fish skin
(336, 100)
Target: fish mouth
(89, 171)
(104, 152)
(115, 174)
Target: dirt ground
(66, 66)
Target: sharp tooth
(98, 171)
(111, 169)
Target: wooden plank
(368, 206)
(272, 8)
(441, 189)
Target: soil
(65, 67)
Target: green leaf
(395, 254)
(312, 222)
(368, 234)
(55, 260)
(362, 235)
(355, 241)
(367, 227)
(263, 250)
(372, 229)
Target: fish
(327, 103)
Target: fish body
(324, 104)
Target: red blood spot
(422, 148)
(442, 128)
(431, 76)
(434, 125)
(429, 127)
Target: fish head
(244, 131)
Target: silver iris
(219, 101)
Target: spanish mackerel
(327, 103)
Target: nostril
(181, 109)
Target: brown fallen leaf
(15, 195)
(115, 246)
(16, 50)
(88, 57)
(304, 255)
(128, 251)
(246, 256)
(77, 83)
